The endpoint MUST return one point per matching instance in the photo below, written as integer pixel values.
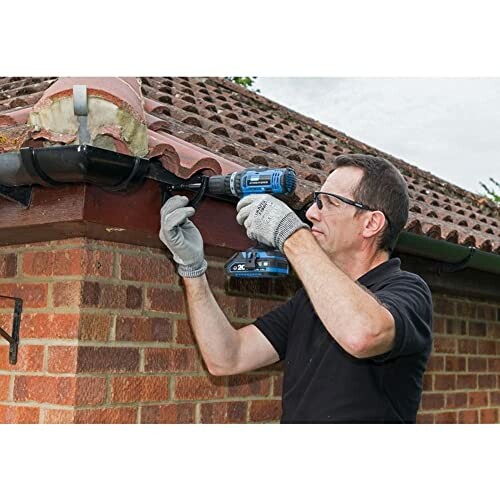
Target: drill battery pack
(257, 263)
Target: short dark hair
(383, 188)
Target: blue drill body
(256, 262)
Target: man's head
(378, 186)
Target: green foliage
(491, 191)
(244, 81)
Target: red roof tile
(214, 125)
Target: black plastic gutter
(452, 257)
(59, 165)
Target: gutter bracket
(13, 339)
(81, 109)
(456, 266)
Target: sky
(448, 126)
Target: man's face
(334, 226)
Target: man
(356, 338)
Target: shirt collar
(380, 272)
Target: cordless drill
(258, 261)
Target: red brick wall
(105, 338)
(462, 381)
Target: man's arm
(226, 350)
(356, 320)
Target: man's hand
(267, 219)
(182, 237)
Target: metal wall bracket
(81, 109)
(19, 194)
(446, 267)
(13, 339)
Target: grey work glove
(182, 237)
(267, 219)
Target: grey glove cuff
(289, 224)
(192, 271)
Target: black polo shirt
(324, 383)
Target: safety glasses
(319, 202)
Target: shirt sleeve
(276, 324)
(409, 301)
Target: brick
(68, 262)
(141, 329)
(233, 307)
(108, 359)
(455, 364)
(435, 363)
(466, 381)
(4, 387)
(53, 416)
(91, 293)
(38, 263)
(98, 263)
(477, 399)
(489, 416)
(456, 400)
(488, 313)
(444, 382)
(90, 391)
(439, 325)
(228, 412)
(216, 277)
(133, 297)
(449, 417)
(477, 364)
(8, 265)
(67, 294)
(174, 413)
(170, 360)
(183, 333)
(456, 326)
(94, 327)
(50, 326)
(425, 418)
(266, 410)
(477, 329)
(147, 269)
(467, 346)
(19, 415)
(486, 381)
(29, 358)
(259, 307)
(62, 359)
(468, 417)
(278, 384)
(133, 389)
(248, 385)
(432, 401)
(494, 365)
(495, 398)
(165, 300)
(44, 389)
(466, 310)
(493, 330)
(443, 306)
(199, 387)
(487, 347)
(33, 295)
(106, 416)
(447, 345)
